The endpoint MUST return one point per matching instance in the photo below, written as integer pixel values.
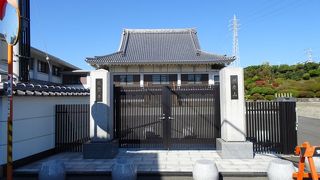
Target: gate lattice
(167, 117)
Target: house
(45, 69)
(151, 57)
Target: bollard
(204, 170)
(52, 170)
(124, 170)
(280, 170)
(316, 161)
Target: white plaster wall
(33, 123)
(173, 68)
(133, 69)
(148, 69)
(187, 69)
(200, 68)
(232, 111)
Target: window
(194, 78)
(43, 67)
(74, 79)
(160, 79)
(216, 79)
(55, 71)
(126, 79)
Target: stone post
(101, 105)
(232, 143)
(102, 144)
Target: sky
(274, 31)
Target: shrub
(260, 82)
(250, 86)
(255, 78)
(269, 97)
(311, 65)
(275, 84)
(256, 96)
(317, 94)
(283, 68)
(306, 94)
(306, 76)
(314, 72)
(263, 90)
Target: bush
(263, 91)
(306, 94)
(314, 72)
(306, 76)
(269, 97)
(255, 78)
(311, 65)
(317, 94)
(256, 96)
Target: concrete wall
(33, 124)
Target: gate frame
(166, 93)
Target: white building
(45, 68)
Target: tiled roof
(159, 46)
(25, 89)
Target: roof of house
(29, 89)
(54, 58)
(159, 46)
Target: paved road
(309, 130)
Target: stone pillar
(232, 143)
(141, 80)
(211, 78)
(101, 105)
(179, 79)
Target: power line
(273, 12)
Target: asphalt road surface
(309, 130)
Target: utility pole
(235, 50)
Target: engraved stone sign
(234, 86)
(98, 90)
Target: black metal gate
(167, 117)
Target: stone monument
(102, 144)
(233, 144)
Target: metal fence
(271, 126)
(72, 127)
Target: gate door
(165, 117)
(195, 117)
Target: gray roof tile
(159, 46)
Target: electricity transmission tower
(309, 55)
(235, 50)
